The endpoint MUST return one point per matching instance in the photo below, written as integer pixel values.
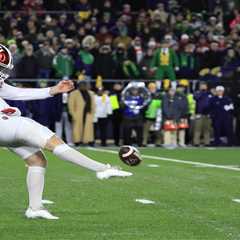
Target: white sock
(67, 153)
(35, 185)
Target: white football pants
(23, 135)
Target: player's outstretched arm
(62, 87)
(14, 93)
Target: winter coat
(174, 108)
(81, 132)
(63, 65)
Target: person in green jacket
(187, 63)
(164, 64)
(191, 104)
(152, 116)
(63, 64)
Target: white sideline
(173, 160)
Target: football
(130, 155)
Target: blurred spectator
(152, 112)
(183, 123)
(72, 47)
(44, 57)
(27, 66)
(222, 43)
(123, 37)
(145, 65)
(63, 22)
(202, 123)
(104, 64)
(211, 63)
(31, 32)
(187, 63)
(202, 45)
(63, 125)
(103, 111)
(132, 118)
(85, 59)
(119, 57)
(221, 109)
(231, 63)
(174, 111)
(81, 104)
(63, 64)
(182, 25)
(162, 14)
(84, 8)
(191, 111)
(136, 51)
(107, 19)
(16, 56)
(115, 99)
(213, 58)
(103, 35)
(184, 41)
(236, 21)
(106, 7)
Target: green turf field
(192, 201)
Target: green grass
(191, 202)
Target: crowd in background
(107, 39)
(159, 41)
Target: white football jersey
(14, 93)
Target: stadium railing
(193, 83)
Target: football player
(27, 138)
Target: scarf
(88, 103)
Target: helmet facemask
(4, 73)
(5, 63)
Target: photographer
(132, 117)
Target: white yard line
(144, 201)
(172, 160)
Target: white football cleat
(40, 213)
(112, 172)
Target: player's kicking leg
(36, 135)
(63, 151)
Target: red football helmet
(6, 62)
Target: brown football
(130, 155)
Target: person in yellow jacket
(152, 113)
(81, 104)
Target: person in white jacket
(103, 111)
(26, 138)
